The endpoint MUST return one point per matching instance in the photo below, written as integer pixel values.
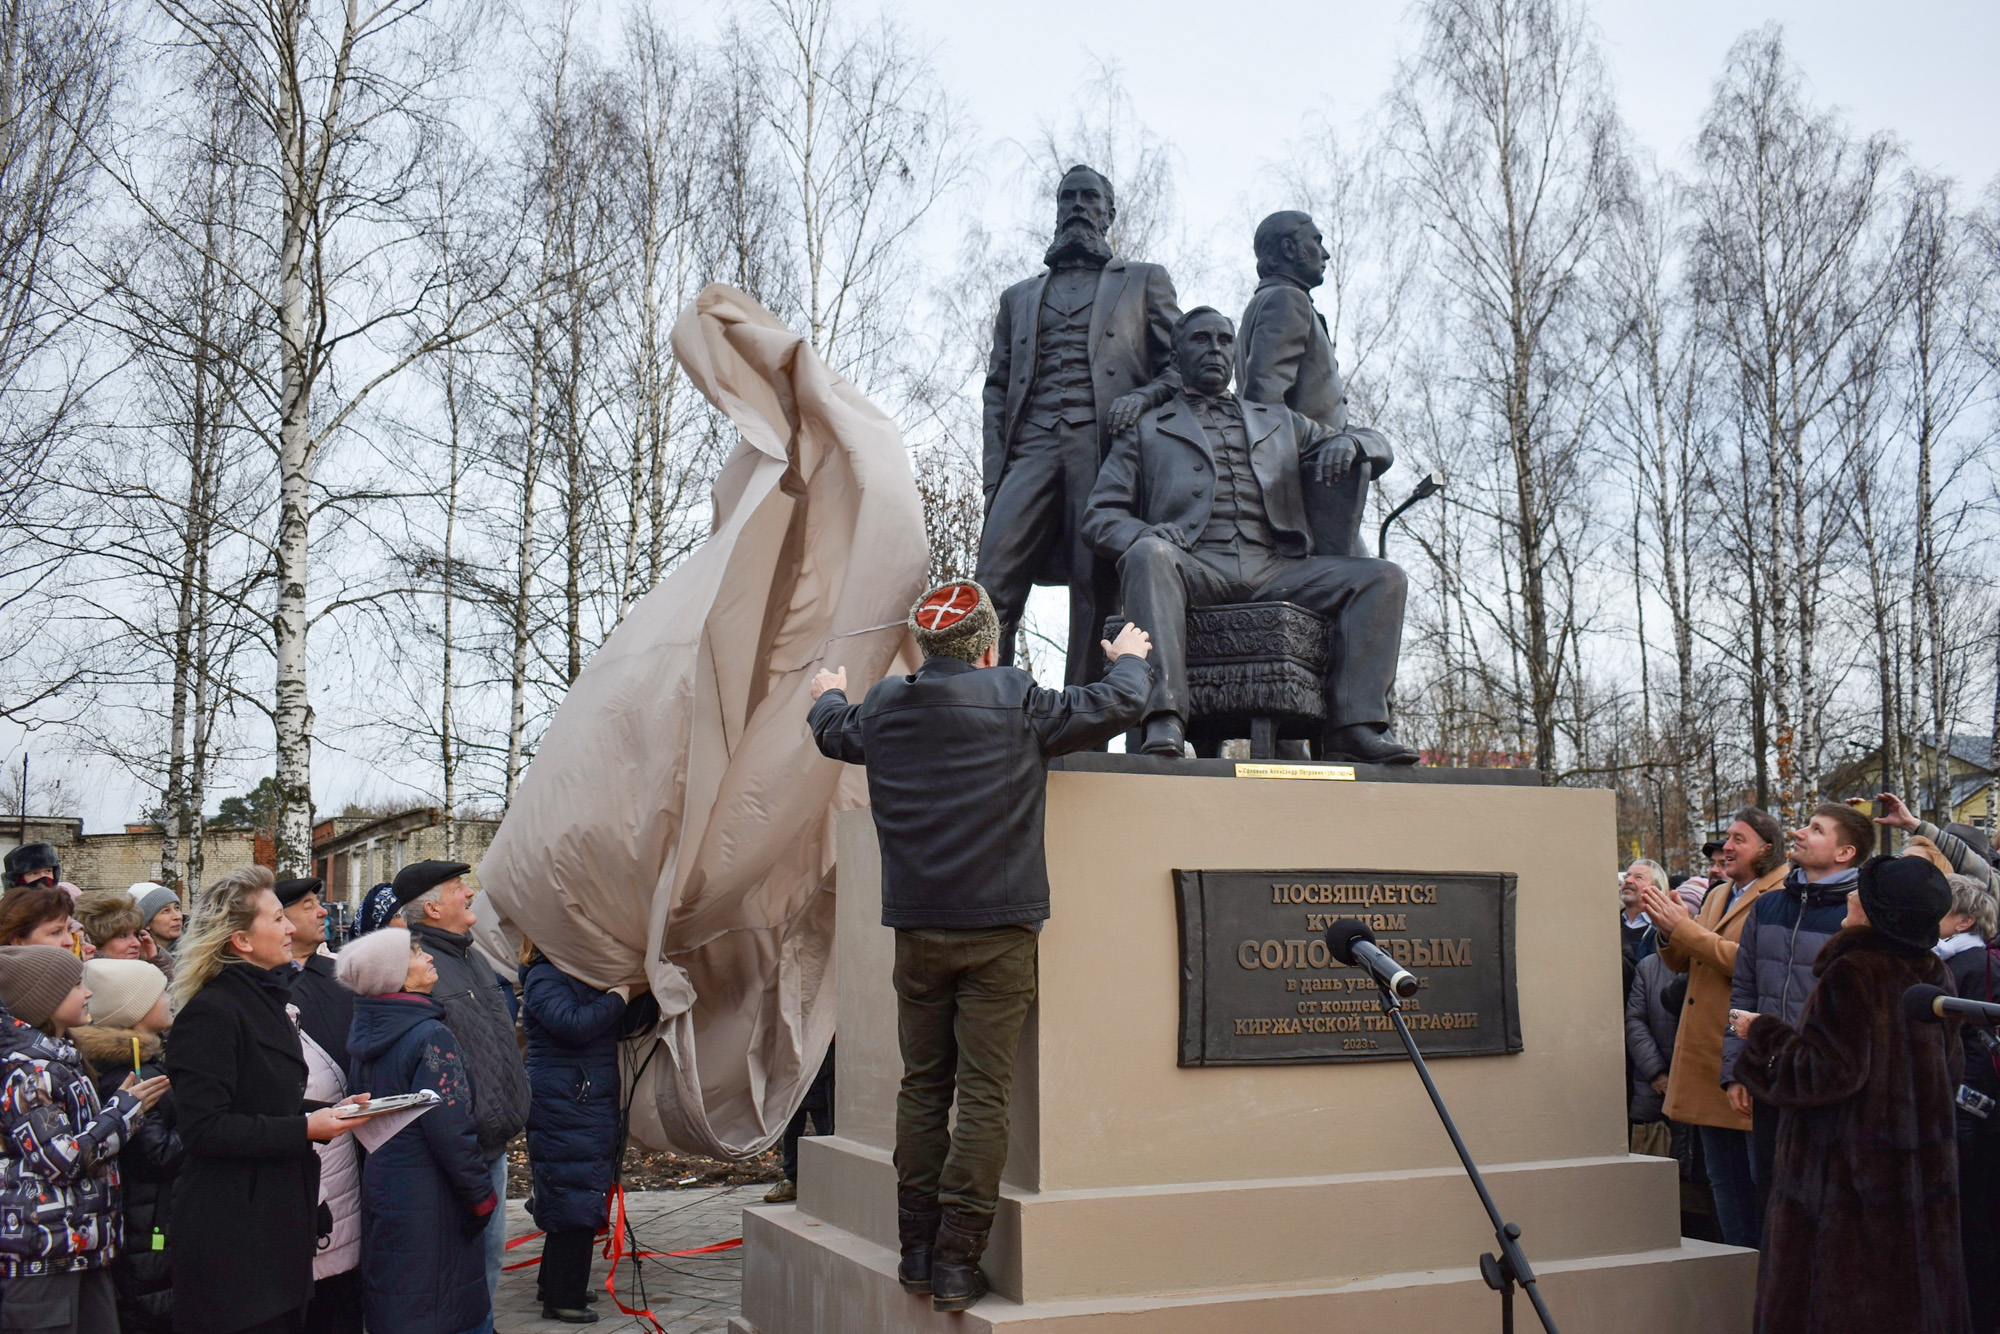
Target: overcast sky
(1226, 85)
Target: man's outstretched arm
(835, 724)
(1079, 717)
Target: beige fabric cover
(676, 825)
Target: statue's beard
(1078, 239)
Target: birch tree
(59, 69)
(346, 100)
(180, 500)
(1790, 259)
(1509, 147)
(866, 144)
(1659, 412)
(1942, 376)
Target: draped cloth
(676, 825)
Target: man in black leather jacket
(956, 756)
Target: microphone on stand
(1350, 941)
(1929, 1004)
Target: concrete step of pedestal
(1054, 1245)
(802, 1275)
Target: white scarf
(1959, 944)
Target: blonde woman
(245, 1221)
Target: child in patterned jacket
(59, 1198)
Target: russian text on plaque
(1258, 986)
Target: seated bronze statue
(1204, 502)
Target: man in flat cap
(437, 907)
(326, 1008)
(956, 755)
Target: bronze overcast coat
(1163, 471)
(1285, 355)
(1131, 344)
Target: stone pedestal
(1144, 1197)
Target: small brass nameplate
(1338, 772)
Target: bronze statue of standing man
(1070, 347)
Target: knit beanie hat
(375, 964)
(151, 899)
(955, 620)
(1904, 897)
(36, 979)
(122, 991)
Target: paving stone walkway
(696, 1295)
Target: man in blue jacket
(956, 756)
(1782, 938)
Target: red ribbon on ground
(614, 1251)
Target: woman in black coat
(426, 1192)
(245, 1213)
(573, 1032)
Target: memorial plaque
(1258, 986)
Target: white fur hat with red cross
(955, 620)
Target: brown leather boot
(917, 1228)
(956, 1281)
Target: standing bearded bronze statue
(1070, 347)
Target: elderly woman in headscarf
(426, 1193)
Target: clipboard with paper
(382, 1118)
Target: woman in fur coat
(1862, 1230)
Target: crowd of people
(1768, 1051)
(178, 1090)
(182, 1092)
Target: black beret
(421, 877)
(1904, 897)
(291, 891)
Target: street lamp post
(1428, 487)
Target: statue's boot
(1164, 735)
(1367, 743)
(917, 1227)
(956, 1280)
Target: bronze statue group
(1119, 460)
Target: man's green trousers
(961, 997)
